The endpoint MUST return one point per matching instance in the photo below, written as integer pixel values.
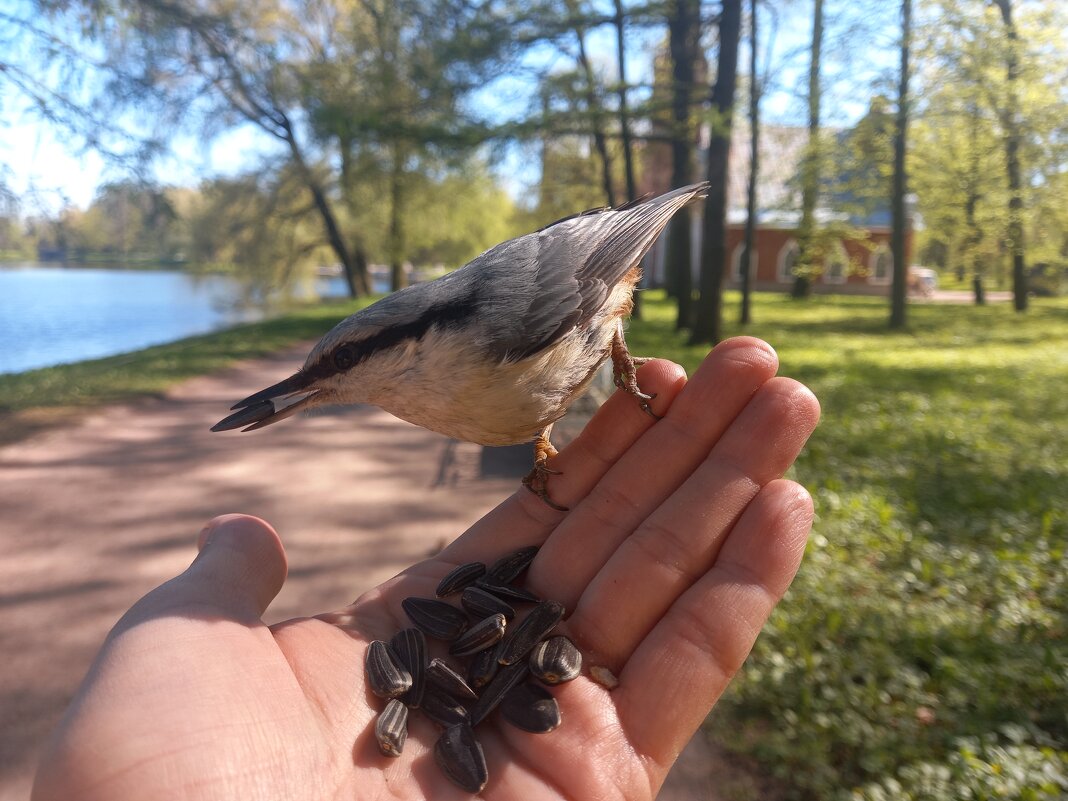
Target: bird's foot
(537, 480)
(625, 372)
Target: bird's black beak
(270, 405)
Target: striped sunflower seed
(391, 728)
(410, 647)
(531, 707)
(443, 709)
(480, 604)
(460, 577)
(484, 634)
(483, 668)
(436, 618)
(507, 568)
(509, 592)
(460, 757)
(507, 677)
(385, 676)
(555, 660)
(524, 636)
(444, 678)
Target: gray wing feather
(547, 283)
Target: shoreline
(38, 400)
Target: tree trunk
(398, 280)
(624, 113)
(899, 281)
(810, 164)
(624, 125)
(754, 166)
(355, 268)
(1010, 118)
(684, 33)
(709, 324)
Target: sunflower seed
(391, 728)
(480, 604)
(525, 635)
(479, 637)
(385, 676)
(483, 668)
(555, 660)
(531, 707)
(507, 568)
(508, 592)
(443, 709)
(507, 678)
(460, 577)
(436, 618)
(410, 647)
(460, 757)
(444, 678)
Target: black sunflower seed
(444, 678)
(436, 618)
(531, 707)
(391, 728)
(507, 677)
(522, 637)
(483, 668)
(555, 660)
(385, 675)
(443, 709)
(507, 568)
(508, 592)
(410, 647)
(460, 757)
(460, 577)
(480, 604)
(479, 637)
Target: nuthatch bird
(496, 351)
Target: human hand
(681, 538)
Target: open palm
(681, 538)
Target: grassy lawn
(922, 652)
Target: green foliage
(921, 651)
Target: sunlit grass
(921, 651)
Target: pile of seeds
(497, 660)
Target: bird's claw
(537, 481)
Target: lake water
(56, 315)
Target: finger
(523, 519)
(681, 669)
(652, 469)
(238, 572)
(679, 542)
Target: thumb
(239, 570)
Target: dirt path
(92, 516)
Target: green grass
(26, 398)
(922, 651)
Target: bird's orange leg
(625, 371)
(537, 480)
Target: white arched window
(736, 263)
(881, 267)
(836, 268)
(788, 257)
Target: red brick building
(861, 263)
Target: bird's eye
(344, 358)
